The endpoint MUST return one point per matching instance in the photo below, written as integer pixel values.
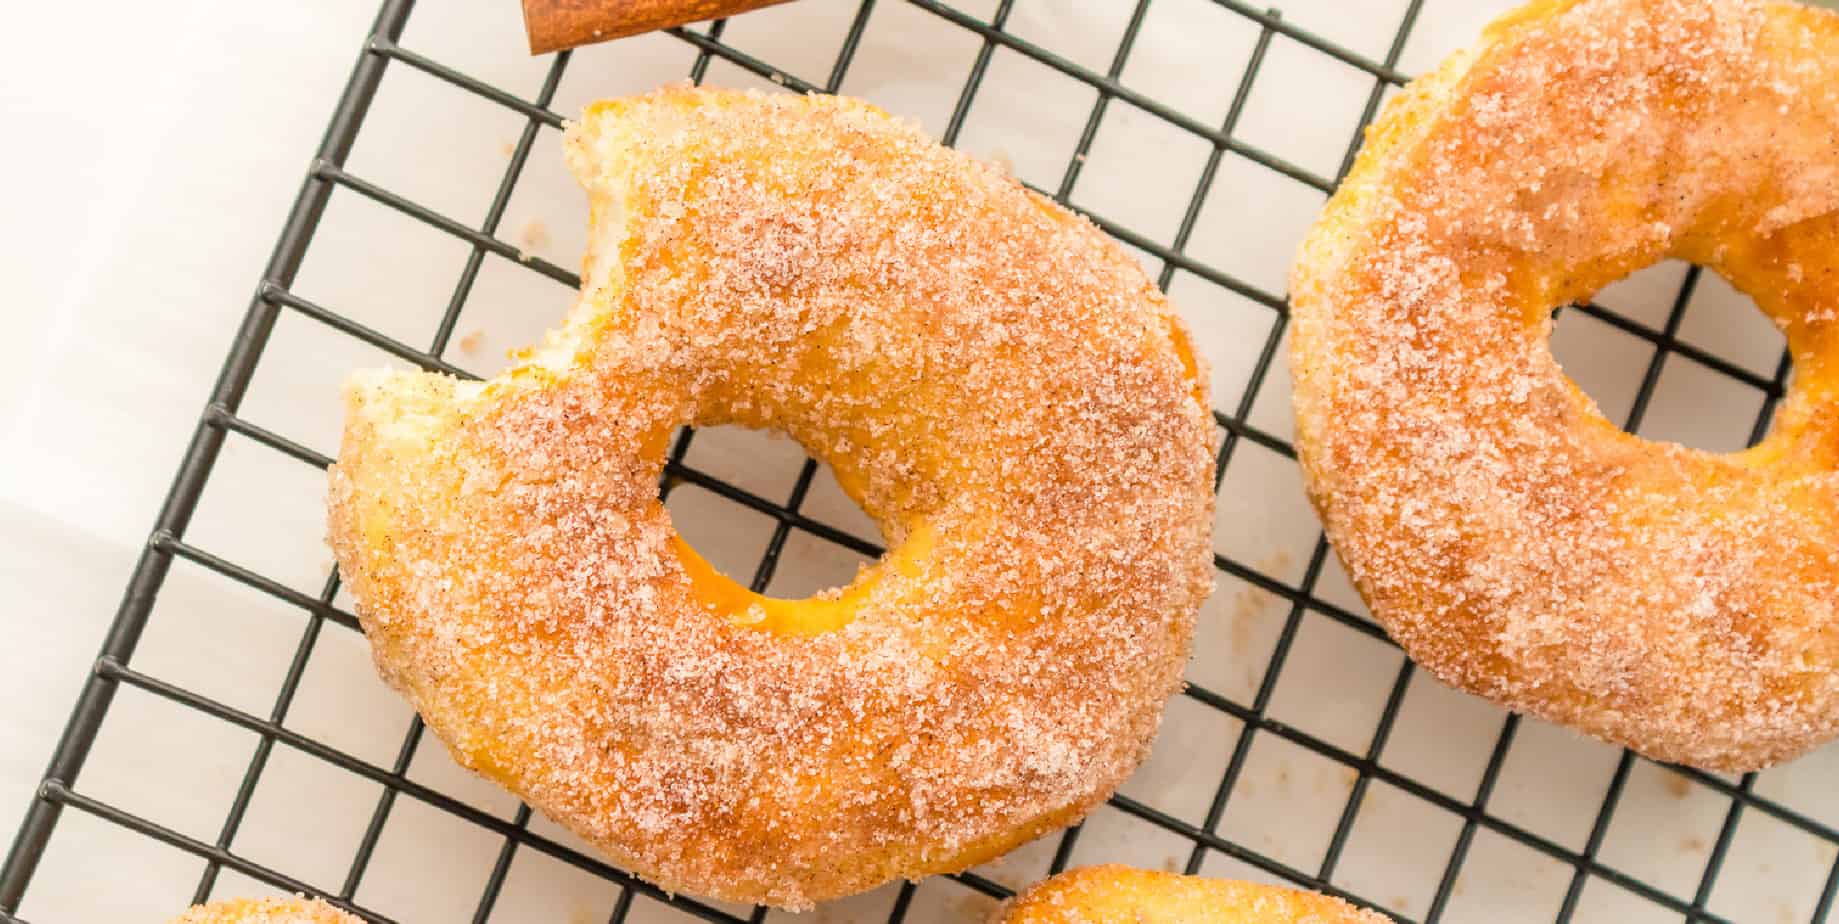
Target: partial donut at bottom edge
(1122, 895)
(266, 911)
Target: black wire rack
(220, 422)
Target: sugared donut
(1514, 541)
(266, 911)
(1122, 895)
(995, 382)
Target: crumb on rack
(470, 342)
(1006, 874)
(534, 235)
(1248, 607)
(975, 906)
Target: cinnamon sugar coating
(1517, 543)
(1122, 895)
(995, 382)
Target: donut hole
(796, 557)
(1674, 353)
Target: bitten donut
(1515, 542)
(266, 911)
(995, 382)
(1122, 895)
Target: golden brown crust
(1518, 544)
(998, 385)
(1122, 895)
(553, 25)
(266, 911)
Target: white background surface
(154, 150)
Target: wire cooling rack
(1576, 858)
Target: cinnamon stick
(557, 24)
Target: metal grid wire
(220, 420)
